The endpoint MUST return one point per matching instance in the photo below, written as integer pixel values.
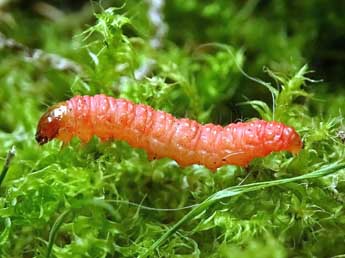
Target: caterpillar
(162, 135)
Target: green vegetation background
(79, 201)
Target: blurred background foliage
(187, 58)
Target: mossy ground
(107, 199)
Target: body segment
(163, 135)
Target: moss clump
(107, 199)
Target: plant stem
(54, 231)
(236, 190)
(10, 155)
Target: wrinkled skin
(163, 135)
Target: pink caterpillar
(163, 135)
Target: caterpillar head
(49, 124)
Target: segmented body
(163, 135)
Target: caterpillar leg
(152, 156)
(64, 145)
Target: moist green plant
(106, 199)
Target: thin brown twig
(38, 55)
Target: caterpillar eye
(41, 140)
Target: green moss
(108, 199)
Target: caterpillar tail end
(296, 144)
(49, 124)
